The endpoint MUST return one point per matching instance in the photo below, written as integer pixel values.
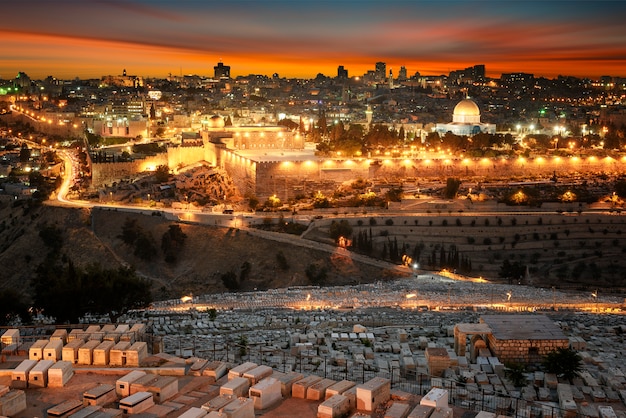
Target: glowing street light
(594, 295)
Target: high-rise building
(402, 74)
(468, 75)
(221, 71)
(381, 71)
(342, 72)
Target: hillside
(575, 251)
(209, 252)
(565, 250)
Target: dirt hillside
(92, 236)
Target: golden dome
(215, 121)
(466, 107)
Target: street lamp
(595, 298)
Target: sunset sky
(297, 38)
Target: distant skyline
(297, 38)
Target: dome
(215, 121)
(467, 107)
(466, 111)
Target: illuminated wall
(243, 172)
(178, 157)
(107, 173)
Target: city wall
(286, 179)
(178, 157)
(276, 175)
(107, 173)
(243, 171)
(52, 127)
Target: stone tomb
(241, 369)
(35, 352)
(38, 376)
(334, 407)
(257, 374)
(59, 334)
(215, 369)
(117, 355)
(12, 403)
(70, 351)
(136, 354)
(317, 391)
(100, 395)
(60, 373)
(85, 352)
(299, 388)
(438, 360)
(421, 411)
(122, 385)
(10, 337)
(266, 393)
(339, 388)
(53, 350)
(193, 412)
(102, 352)
(218, 403)
(286, 381)
(435, 398)
(239, 408)
(373, 393)
(136, 403)
(397, 410)
(19, 375)
(64, 409)
(236, 387)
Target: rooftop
(523, 327)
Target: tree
(52, 237)
(282, 261)
(172, 242)
(229, 280)
(253, 202)
(145, 247)
(394, 194)
(162, 173)
(515, 270)
(620, 188)
(516, 374)
(316, 274)
(243, 345)
(340, 229)
(130, 231)
(12, 307)
(563, 362)
(134, 235)
(452, 188)
(67, 293)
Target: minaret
(368, 115)
(390, 79)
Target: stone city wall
(242, 171)
(106, 173)
(178, 157)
